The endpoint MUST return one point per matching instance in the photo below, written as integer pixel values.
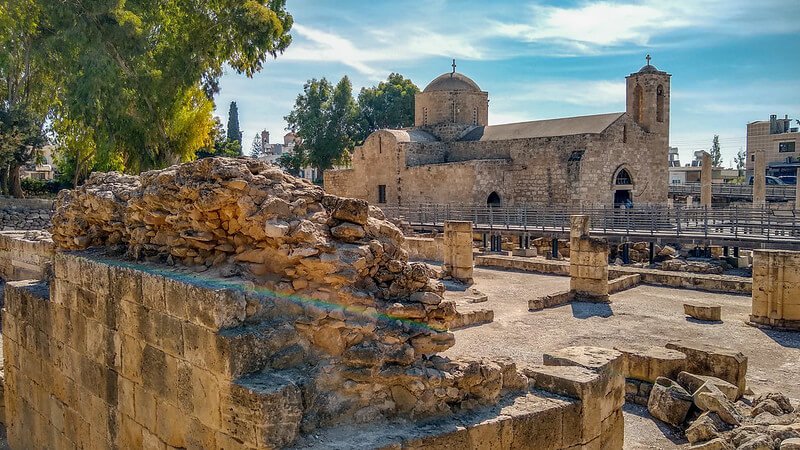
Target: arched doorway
(623, 185)
(493, 199)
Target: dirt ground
(642, 315)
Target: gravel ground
(642, 315)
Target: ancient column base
(773, 324)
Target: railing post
(678, 219)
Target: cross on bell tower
(454, 66)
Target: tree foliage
(234, 133)
(324, 117)
(134, 77)
(294, 161)
(741, 158)
(716, 152)
(390, 104)
(257, 147)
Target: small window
(786, 147)
(660, 103)
(381, 193)
(575, 156)
(424, 116)
(623, 178)
(752, 158)
(624, 133)
(475, 115)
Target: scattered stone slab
(705, 359)
(708, 313)
(647, 363)
(714, 444)
(692, 382)
(709, 398)
(669, 402)
(551, 301)
(790, 444)
(705, 428)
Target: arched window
(494, 199)
(638, 106)
(660, 103)
(623, 178)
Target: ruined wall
(25, 214)
(588, 262)
(776, 288)
(25, 255)
(426, 249)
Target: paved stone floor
(645, 314)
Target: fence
(743, 191)
(729, 223)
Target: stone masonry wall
(588, 262)
(776, 288)
(25, 214)
(25, 255)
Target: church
(452, 155)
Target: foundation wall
(25, 214)
(458, 249)
(25, 256)
(425, 249)
(776, 288)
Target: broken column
(776, 289)
(458, 249)
(689, 200)
(760, 180)
(588, 262)
(705, 180)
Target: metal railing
(743, 191)
(729, 223)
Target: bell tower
(647, 98)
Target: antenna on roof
(454, 67)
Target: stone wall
(425, 249)
(533, 171)
(25, 214)
(25, 255)
(458, 250)
(776, 288)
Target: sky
(732, 62)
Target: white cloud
(595, 27)
(576, 92)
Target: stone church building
(452, 155)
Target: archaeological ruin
(223, 304)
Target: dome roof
(649, 68)
(452, 81)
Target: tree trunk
(4, 180)
(16, 181)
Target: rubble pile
(347, 317)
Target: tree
(716, 152)
(294, 161)
(234, 133)
(324, 118)
(741, 158)
(26, 91)
(390, 104)
(257, 148)
(141, 75)
(218, 143)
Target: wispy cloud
(576, 92)
(601, 26)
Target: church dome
(649, 68)
(452, 81)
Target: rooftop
(566, 126)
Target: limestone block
(714, 444)
(692, 383)
(647, 363)
(705, 428)
(669, 402)
(705, 359)
(711, 313)
(709, 398)
(790, 444)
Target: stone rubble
(369, 345)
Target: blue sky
(731, 61)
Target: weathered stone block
(712, 313)
(669, 402)
(692, 383)
(647, 363)
(704, 359)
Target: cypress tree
(234, 133)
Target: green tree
(390, 104)
(294, 161)
(257, 147)
(140, 75)
(324, 118)
(26, 91)
(234, 133)
(741, 158)
(716, 152)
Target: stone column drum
(705, 181)
(776, 289)
(588, 262)
(760, 179)
(458, 249)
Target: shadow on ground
(585, 310)
(673, 434)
